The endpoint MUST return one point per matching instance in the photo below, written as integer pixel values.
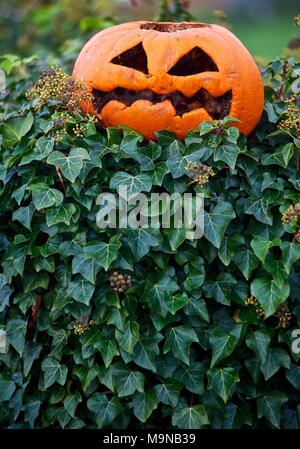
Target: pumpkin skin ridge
(237, 71)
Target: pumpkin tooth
(217, 107)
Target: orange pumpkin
(151, 76)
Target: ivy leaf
(132, 184)
(53, 372)
(140, 241)
(168, 392)
(32, 409)
(105, 410)
(71, 164)
(228, 245)
(216, 222)
(144, 404)
(155, 294)
(275, 359)
(24, 215)
(293, 375)
(7, 388)
(258, 208)
(246, 261)
(43, 147)
(222, 381)
(61, 214)
(81, 290)
(176, 302)
(261, 247)
(290, 253)
(179, 340)
(160, 171)
(227, 154)
(269, 294)
(220, 289)
(44, 196)
(31, 353)
(105, 253)
(146, 351)
(192, 377)
(194, 279)
(269, 406)
(197, 307)
(259, 341)
(128, 338)
(190, 417)
(5, 292)
(127, 381)
(15, 331)
(237, 416)
(223, 344)
(108, 350)
(280, 157)
(15, 128)
(178, 160)
(70, 403)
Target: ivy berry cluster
(120, 283)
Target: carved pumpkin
(151, 76)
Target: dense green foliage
(180, 348)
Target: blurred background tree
(61, 26)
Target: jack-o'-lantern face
(151, 76)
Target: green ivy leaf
(132, 184)
(192, 377)
(280, 157)
(258, 208)
(290, 253)
(24, 215)
(275, 359)
(53, 372)
(15, 128)
(246, 261)
(190, 417)
(216, 222)
(269, 406)
(220, 289)
(179, 340)
(140, 241)
(222, 381)
(168, 392)
(269, 294)
(71, 402)
(176, 302)
(223, 344)
(105, 410)
(61, 214)
(81, 290)
(15, 331)
(70, 165)
(228, 154)
(144, 404)
(127, 381)
(7, 389)
(259, 341)
(128, 338)
(178, 160)
(44, 196)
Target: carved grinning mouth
(216, 107)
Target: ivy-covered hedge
(203, 337)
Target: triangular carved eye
(195, 61)
(135, 58)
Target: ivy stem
(58, 171)
(192, 400)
